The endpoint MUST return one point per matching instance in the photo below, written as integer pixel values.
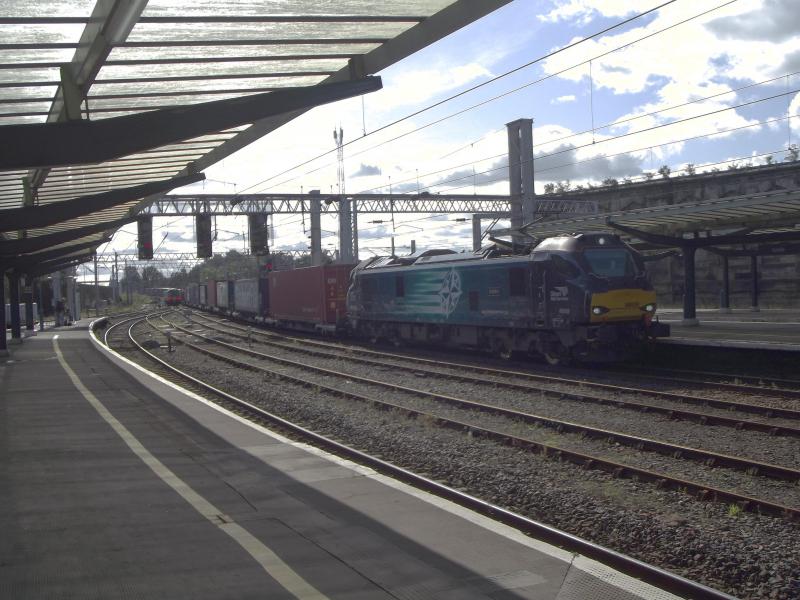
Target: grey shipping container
(193, 294)
(203, 294)
(246, 297)
(222, 294)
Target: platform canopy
(753, 218)
(106, 105)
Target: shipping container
(203, 294)
(222, 295)
(211, 293)
(193, 294)
(263, 292)
(310, 298)
(246, 301)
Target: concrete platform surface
(117, 485)
(768, 329)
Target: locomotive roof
(572, 242)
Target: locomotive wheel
(556, 354)
(554, 359)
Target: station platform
(117, 484)
(767, 329)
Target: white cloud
(583, 11)
(563, 99)
(418, 86)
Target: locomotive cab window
(611, 262)
(367, 288)
(564, 267)
(516, 281)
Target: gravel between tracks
(743, 554)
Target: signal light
(204, 243)
(144, 228)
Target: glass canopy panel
(46, 9)
(159, 32)
(36, 55)
(22, 120)
(215, 68)
(45, 94)
(171, 8)
(239, 50)
(245, 82)
(44, 33)
(24, 107)
(26, 76)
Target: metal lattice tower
(347, 228)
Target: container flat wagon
(246, 298)
(311, 298)
(222, 296)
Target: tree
(131, 280)
(610, 181)
(649, 175)
(550, 188)
(563, 186)
(690, 169)
(664, 171)
(792, 153)
(152, 277)
(769, 159)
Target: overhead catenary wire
(574, 148)
(492, 80)
(613, 138)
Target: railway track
(702, 490)
(520, 380)
(123, 336)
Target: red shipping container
(211, 293)
(314, 296)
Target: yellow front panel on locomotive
(622, 305)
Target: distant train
(168, 296)
(580, 296)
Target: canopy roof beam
(13, 248)
(79, 142)
(31, 260)
(33, 217)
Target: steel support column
(689, 291)
(725, 300)
(13, 300)
(27, 298)
(345, 231)
(55, 284)
(316, 232)
(3, 325)
(754, 284)
(514, 177)
(520, 171)
(476, 233)
(39, 288)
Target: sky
(700, 82)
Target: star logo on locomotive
(450, 292)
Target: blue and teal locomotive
(584, 296)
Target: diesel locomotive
(583, 296)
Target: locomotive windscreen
(611, 262)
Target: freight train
(581, 296)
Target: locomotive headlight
(649, 308)
(599, 310)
